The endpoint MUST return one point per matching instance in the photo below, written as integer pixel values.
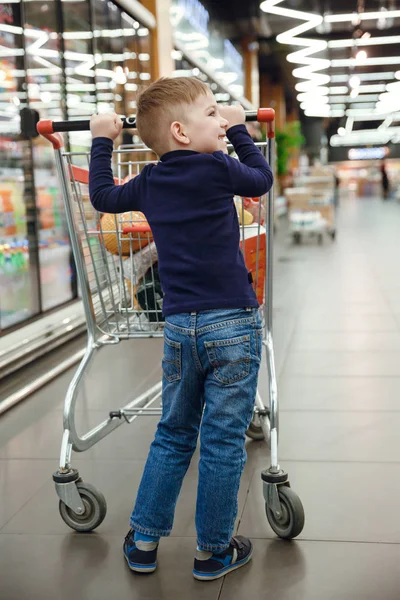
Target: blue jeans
(210, 371)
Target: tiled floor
(337, 339)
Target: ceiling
(237, 19)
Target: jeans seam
(148, 531)
(193, 343)
(180, 329)
(222, 324)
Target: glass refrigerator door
(79, 71)
(20, 294)
(46, 90)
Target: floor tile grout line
(339, 410)
(25, 503)
(356, 377)
(330, 541)
(282, 459)
(273, 538)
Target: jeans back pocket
(171, 362)
(230, 358)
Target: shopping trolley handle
(51, 129)
(263, 115)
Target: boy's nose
(224, 123)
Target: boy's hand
(108, 126)
(234, 114)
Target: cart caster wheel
(333, 235)
(291, 521)
(320, 239)
(255, 431)
(297, 238)
(259, 430)
(95, 509)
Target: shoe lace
(128, 535)
(237, 544)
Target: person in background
(385, 181)
(337, 185)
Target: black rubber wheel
(333, 235)
(95, 509)
(255, 432)
(291, 522)
(320, 239)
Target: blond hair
(161, 104)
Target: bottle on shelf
(7, 226)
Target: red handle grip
(136, 228)
(267, 115)
(45, 128)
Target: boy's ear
(179, 134)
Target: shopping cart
(116, 262)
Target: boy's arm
(105, 196)
(252, 176)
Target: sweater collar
(177, 154)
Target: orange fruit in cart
(111, 228)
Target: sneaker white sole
(140, 568)
(211, 576)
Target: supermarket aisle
(337, 336)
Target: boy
(212, 337)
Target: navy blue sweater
(187, 199)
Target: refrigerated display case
(65, 60)
(19, 284)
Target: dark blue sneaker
(141, 561)
(208, 565)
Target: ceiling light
(310, 96)
(354, 93)
(393, 87)
(309, 46)
(375, 41)
(367, 89)
(362, 105)
(381, 60)
(365, 16)
(365, 77)
(309, 86)
(341, 131)
(45, 97)
(364, 114)
(361, 56)
(338, 89)
(386, 123)
(349, 124)
(354, 81)
(360, 98)
(307, 102)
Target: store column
(273, 95)
(162, 44)
(251, 71)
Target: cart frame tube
(268, 340)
